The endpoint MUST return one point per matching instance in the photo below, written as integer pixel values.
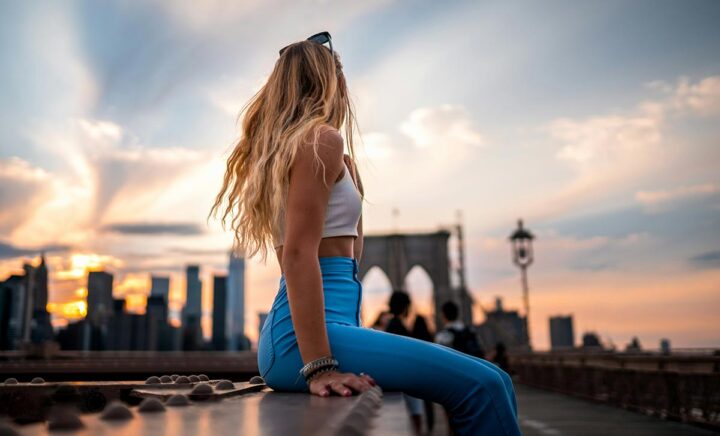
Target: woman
(288, 181)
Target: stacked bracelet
(317, 366)
(319, 371)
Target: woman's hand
(340, 383)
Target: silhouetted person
(500, 358)
(456, 334)
(421, 331)
(400, 309)
(382, 320)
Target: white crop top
(341, 216)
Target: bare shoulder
(329, 141)
(330, 137)
(330, 148)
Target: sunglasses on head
(321, 38)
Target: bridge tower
(397, 253)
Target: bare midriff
(330, 246)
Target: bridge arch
(396, 254)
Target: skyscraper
(23, 304)
(235, 323)
(156, 314)
(42, 327)
(219, 338)
(193, 292)
(99, 298)
(160, 286)
(562, 335)
(192, 312)
(40, 293)
(13, 290)
(100, 308)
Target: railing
(683, 387)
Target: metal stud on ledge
(178, 400)
(256, 380)
(224, 385)
(116, 411)
(151, 405)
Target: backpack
(464, 340)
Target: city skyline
(597, 124)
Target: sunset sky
(598, 123)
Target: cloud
(230, 95)
(609, 152)
(101, 171)
(378, 145)
(442, 126)
(702, 98)
(606, 140)
(22, 188)
(207, 15)
(10, 251)
(177, 229)
(616, 138)
(708, 259)
(99, 130)
(199, 251)
(127, 175)
(655, 201)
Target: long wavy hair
(305, 91)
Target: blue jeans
(478, 396)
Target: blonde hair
(305, 90)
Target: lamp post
(521, 241)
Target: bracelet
(310, 375)
(317, 372)
(317, 363)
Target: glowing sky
(596, 122)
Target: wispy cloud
(609, 152)
(23, 187)
(655, 201)
(9, 251)
(199, 251)
(601, 142)
(708, 259)
(445, 126)
(148, 229)
(700, 98)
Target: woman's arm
(307, 202)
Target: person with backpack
(421, 331)
(399, 306)
(456, 334)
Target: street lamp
(521, 241)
